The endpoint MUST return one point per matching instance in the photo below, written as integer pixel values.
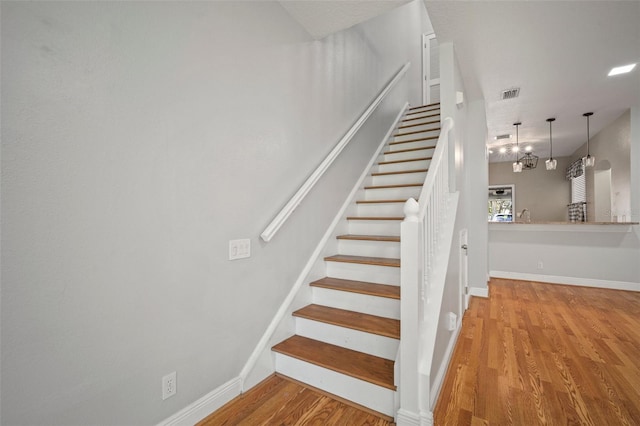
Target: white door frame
(427, 81)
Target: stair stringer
(262, 361)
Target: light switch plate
(239, 249)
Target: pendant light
(517, 166)
(589, 160)
(551, 163)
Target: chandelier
(529, 161)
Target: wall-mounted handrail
(297, 198)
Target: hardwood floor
(282, 401)
(538, 354)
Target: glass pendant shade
(517, 167)
(551, 163)
(589, 160)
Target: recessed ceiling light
(515, 149)
(490, 151)
(503, 150)
(528, 148)
(621, 70)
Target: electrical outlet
(452, 321)
(540, 264)
(169, 385)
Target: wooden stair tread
(424, 106)
(380, 201)
(422, 148)
(416, 132)
(364, 260)
(400, 185)
(406, 126)
(381, 238)
(422, 112)
(402, 172)
(361, 287)
(380, 326)
(420, 118)
(372, 369)
(375, 218)
(428, 138)
(405, 161)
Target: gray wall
(545, 193)
(138, 138)
(611, 147)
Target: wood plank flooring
(282, 401)
(545, 354)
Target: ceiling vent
(510, 93)
(507, 136)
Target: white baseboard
(426, 418)
(479, 292)
(407, 418)
(206, 405)
(555, 279)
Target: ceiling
(323, 17)
(557, 52)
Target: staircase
(346, 341)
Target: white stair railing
(424, 233)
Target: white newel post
(410, 279)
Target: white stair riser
(381, 209)
(418, 125)
(410, 145)
(423, 113)
(401, 193)
(399, 179)
(421, 135)
(372, 344)
(364, 393)
(369, 248)
(368, 273)
(374, 227)
(399, 167)
(396, 156)
(357, 302)
(418, 119)
(424, 108)
(426, 117)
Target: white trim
(426, 418)
(478, 292)
(446, 359)
(284, 307)
(302, 192)
(407, 418)
(206, 405)
(563, 227)
(555, 279)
